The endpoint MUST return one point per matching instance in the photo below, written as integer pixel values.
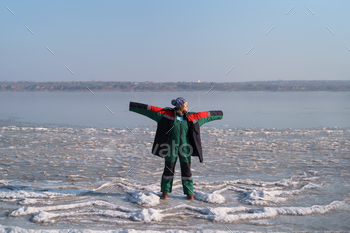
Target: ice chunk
(149, 199)
(215, 198)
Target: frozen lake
(276, 162)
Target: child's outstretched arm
(155, 113)
(205, 117)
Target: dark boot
(190, 197)
(164, 196)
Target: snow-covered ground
(93, 180)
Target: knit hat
(178, 102)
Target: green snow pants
(169, 171)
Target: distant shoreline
(149, 86)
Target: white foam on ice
(144, 199)
(32, 201)
(27, 210)
(148, 199)
(13, 229)
(21, 194)
(3, 183)
(214, 198)
(272, 197)
(90, 208)
(143, 215)
(223, 214)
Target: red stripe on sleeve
(162, 111)
(156, 109)
(197, 116)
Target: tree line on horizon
(176, 86)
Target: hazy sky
(174, 40)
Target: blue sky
(174, 40)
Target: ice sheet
(92, 177)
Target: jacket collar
(185, 116)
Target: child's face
(184, 107)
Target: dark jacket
(165, 117)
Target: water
(276, 162)
(241, 109)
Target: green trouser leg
(168, 174)
(186, 174)
(187, 186)
(166, 185)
